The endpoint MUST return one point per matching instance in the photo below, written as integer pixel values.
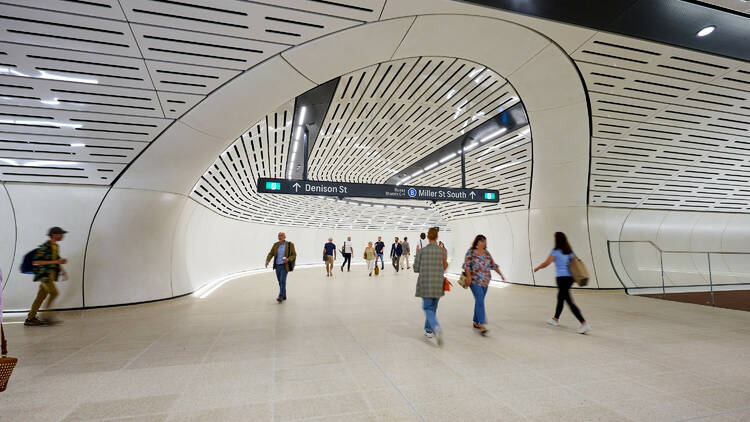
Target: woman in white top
(347, 251)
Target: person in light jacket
(429, 263)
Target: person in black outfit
(561, 256)
(347, 250)
(396, 251)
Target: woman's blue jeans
(430, 304)
(480, 316)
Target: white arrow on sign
(296, 187)
(472, 194)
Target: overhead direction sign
(367, 190)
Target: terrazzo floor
(350, 348)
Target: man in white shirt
(406, 253)
(347, 250)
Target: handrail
(661, 252)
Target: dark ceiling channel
(674, 22)
(506, 122)
(316, 102)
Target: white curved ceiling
(229, 187)
(386, 117)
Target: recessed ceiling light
(705, 31)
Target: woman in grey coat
(430, 264)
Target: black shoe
(279, 299)
(283, 298)
(34, 322)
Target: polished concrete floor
(350, 348)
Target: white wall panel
(542, 89)
(7, 235)
(543, 223)
(173, 163)
(499, 233)
(37, 208)
(687, 231)
(569, 37)
(522, 266)
(210, 246)
(183, 270)
(230, 111)
(642, 225)
(331, 56)
(560, 156)
(605, 224)
(465, 37)
(130, 249)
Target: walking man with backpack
(47, 268)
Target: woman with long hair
(478, 264)
(561, 256)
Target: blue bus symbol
(412, 192)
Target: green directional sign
(273, 186)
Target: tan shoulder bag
(578, 271)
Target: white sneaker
(428, 335)
(584, 328)
(553, 322)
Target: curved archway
(156, 185)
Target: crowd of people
(430, 263)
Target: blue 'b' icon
(412, 192)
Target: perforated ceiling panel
(386, 117)
(229, 187)
(87, 85)
(503, 164)
(671, 128)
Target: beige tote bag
(578, 271)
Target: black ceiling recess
(674, 22)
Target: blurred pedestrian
(478, 264)
(329, 255)
(48, 267)
(370, 257)
(561, 255)
(430, 265)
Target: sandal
(477, 326)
